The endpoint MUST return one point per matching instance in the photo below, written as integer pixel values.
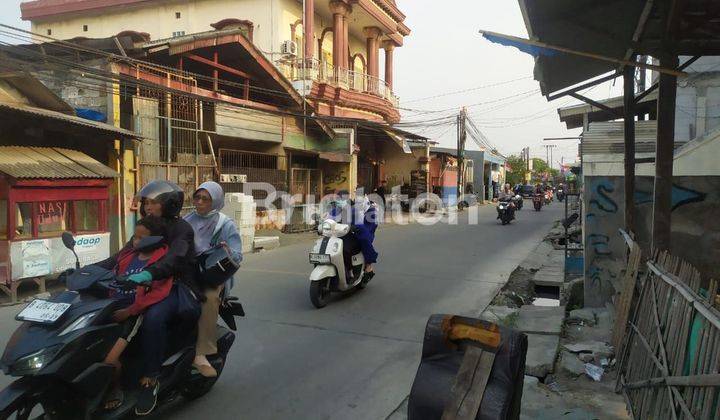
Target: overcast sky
(444, 53)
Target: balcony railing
(323, 72)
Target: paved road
(356, 358)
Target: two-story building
(254, 68)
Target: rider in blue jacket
(362, 214)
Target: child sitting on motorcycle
(129, 261)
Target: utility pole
(461, 136)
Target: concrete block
(266, 242)
(570, 364)
(586, 315)
(548, 278)
(542, 350)
(537, 257)
(541, 319)
(594, 347)
(498, 314)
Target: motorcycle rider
(216, 238)
(362, 215)
(506, 194)
(165, 199)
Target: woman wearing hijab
(217, 242)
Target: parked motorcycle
(506, 211)
(58, 352)
(538, 200)
(339, 265)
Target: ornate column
(372, 35)
(309, 29)
(389, 47)
(339, 10)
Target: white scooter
(331, 273)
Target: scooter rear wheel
(319, 293)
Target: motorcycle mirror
(69, 243)
(68, 240)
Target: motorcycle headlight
(32, 363)
(79, 323)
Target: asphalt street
(357, 357)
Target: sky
(444, 54)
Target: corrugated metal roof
(609, 138)
(50, 163)
(72, 119)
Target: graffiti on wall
(603, 247)
(335, 178)
(680, 196)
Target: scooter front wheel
(319, 293)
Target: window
(178, 33)
(3, 219)
(87, 216)
(23, 220)
(53, 217)
(177, 15)
(85, 28)
(49, 31)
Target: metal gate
(306, 182)
(173, 150)
(245, 167)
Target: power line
(467, 90)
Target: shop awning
(50, 163)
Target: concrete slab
(586, 315)
(544, 278)
(570, 364)
(537, 257)
(542, 350)
(498, 314)
(540, 320)
(266, 242)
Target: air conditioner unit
(289, 48)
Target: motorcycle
(518, 200)
(506, 211)
(548, 197)
(538, 200)
(560, 195)
(339, 265)
(59, 349)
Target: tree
(542, 170)
(518, 170)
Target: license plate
(319, 258)
(42, 311)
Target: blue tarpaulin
(526, 48)
(91, 114)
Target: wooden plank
(217, 66)
(626, 297)
(471, 405)
(463, 382)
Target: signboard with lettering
(41, 257)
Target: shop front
(43, 193)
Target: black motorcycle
(538, 200)
(58, 352)
(506, 211)
(560, 194)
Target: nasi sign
(51, 212)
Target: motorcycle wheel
(24, 410)
(203, 386)
(319, 293)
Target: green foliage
(517, 176)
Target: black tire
(319, 293)
(21, 410)
(199, 387)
